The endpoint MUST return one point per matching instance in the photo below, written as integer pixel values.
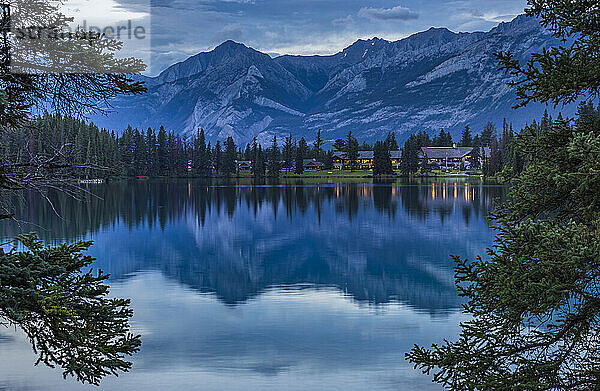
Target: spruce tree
(466, 139)
(382, 160)
(476, 154)
(565, 73)
(229, 157)
(422, 139)
(209, 160)
(288, 152)
(163, 152)
(533, 302)
(248, 152)
(443, 139)
(260, 162)
(488, 134)
(318, 147)
(351, 151)
(139, 153)
(217, 158)
(254, 158)
(339, 145)
(410, 156)
(196, 152)
(301, 151)
(64, 309)
(203, 152)
(126, 147)
(152, 154)
(274, 159)
(391, 142)
(538, 276)
(328, 163)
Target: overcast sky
(181, 28)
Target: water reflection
(377, 243)
(251, 286)
(286, 339)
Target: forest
(161, 153)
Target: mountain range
(428, 81)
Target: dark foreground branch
(65, 312)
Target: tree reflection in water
(377, 243)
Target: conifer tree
(289, 152)
(65, 311)
(391, 142)
(466, 139)
(382, 160)
(533, 302)
(260, 162)
(229, 158)
(351, 151)
(126, 146)
(476, 154)
(248, 152)
(139, 153)
(564, 73)
(274, 159)
(318, 147)
(488, 134)
(209, 160)
(301, 151)
(151, 152)
(443, 139)
(217, 158)
(203, 155)
(410, 156)
(423, 140)
(196, 156)
(163, 152)
(328, 163)
(339, 145)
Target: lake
(289, 286)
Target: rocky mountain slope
(430, 80)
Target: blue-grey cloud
(395, 13)
(182, 28)
(230, 32)
(343, 21)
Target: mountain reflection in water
(268, 287)
(376, 243)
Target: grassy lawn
(458, 173)
(329, 174)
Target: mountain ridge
(430, 80)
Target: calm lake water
(292, 286)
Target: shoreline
(307, 175)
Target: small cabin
(243, 165)
(313, 165)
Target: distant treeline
(149, 152)
(157, 153)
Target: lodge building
(443, 157)
(451, 157)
